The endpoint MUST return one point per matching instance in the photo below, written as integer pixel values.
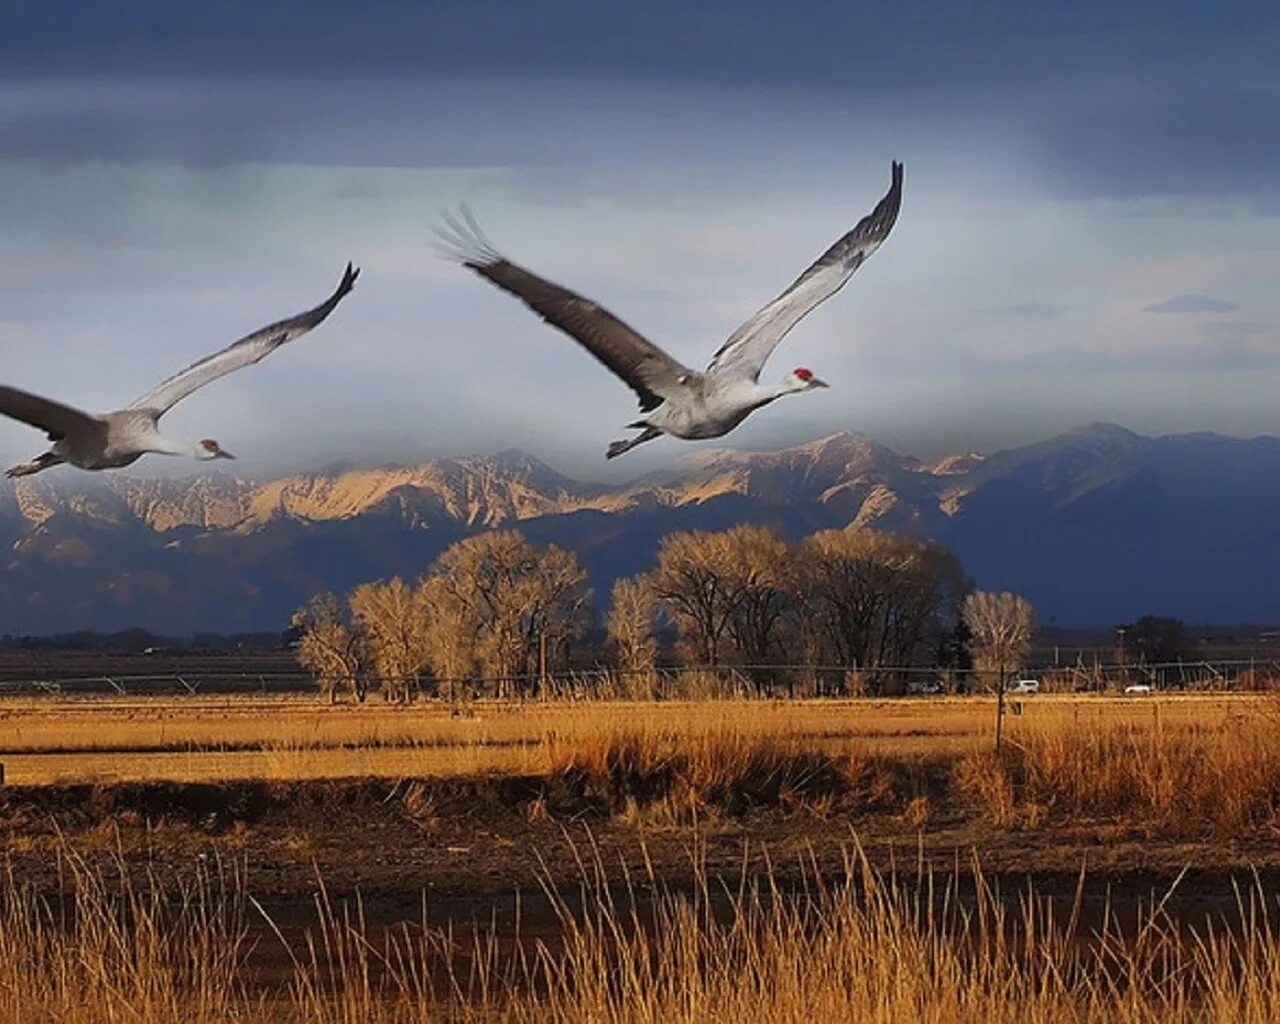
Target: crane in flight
(675, 399)
(120, 438)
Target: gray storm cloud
(173, 177)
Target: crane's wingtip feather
(880, 221)
(349, 277)
(462, 240)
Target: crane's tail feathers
(461, 239)
(622, 447)
(44, 461)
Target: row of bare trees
(497, 607)
(492, 605)
(853, 598)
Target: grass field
(1173, 766)
(754, 849)
(213, 739)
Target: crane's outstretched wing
(55, 419)
(750, 346)
(651, 373)
(245, 352)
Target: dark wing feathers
(53, 418)
(248, 350)
(751, 344)
(868, 233)
(649, 371)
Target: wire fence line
(762, 680)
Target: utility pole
(542, 663)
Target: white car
(1139, 688)
(1024, 686)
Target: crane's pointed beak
(224, 455)
(815, 383)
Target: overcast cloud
(173, 178)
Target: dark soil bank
(492, 837)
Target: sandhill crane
(675, 399)
(121, 438)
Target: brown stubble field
(580, 812)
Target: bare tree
(927, 601)
(476, 580)
(335, 651)
(847, 578)
(498, 602)
(450, 640)
(877, 600)
(392, 616)
(630, 625)
(555, 607)
(1002, 627)
(802, 633)
(693, 585)
(759, 571)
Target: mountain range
(1095, 526)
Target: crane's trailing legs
(622, 447)
(45, 461)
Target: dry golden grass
(670, 776)
(121, 952)
(1216, 776)
(1173, 766)
(860, 946)
(204, 739)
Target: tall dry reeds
(1190, 779)
(671, 776)
(862, 946)
(115, 948)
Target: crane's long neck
(766, 393)
(159, 444)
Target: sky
(1090, 226)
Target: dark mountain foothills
(1095, 526)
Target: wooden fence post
(1000, 710)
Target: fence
(669, 682)
(161, 684)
